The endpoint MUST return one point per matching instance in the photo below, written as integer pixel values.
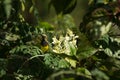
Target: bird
(44, 43)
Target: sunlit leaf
(103, 68)
(108, 52)
(73, 49)
(63, 64)
(71, 61)
(46, 26)
(8, 7)
(22, 19)
(90, 2)
(84, 72)
(103, 1)
(68, 79)
(12, 37)
(21, 76)
(31, 9)
(22, 5)
(117, 54)
(2, 72)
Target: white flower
(66, 45)
(70, 33)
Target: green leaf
(68, 78)
(24, 49)
(99, 75)
(55, 61)
(22, 5)
(22, 77)
(63, 64)
(3, 67)
(117, 54)
(52, 61)
(72, 62)
(2, 72)
(103, 1)
(108, 52)
(84, 72)
(8, 7)
(46, 26)
(86, 52)
(73, 49)
(12, 37)
(31, 9)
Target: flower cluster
(65, 44)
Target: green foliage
(3, 64)
(97, 26)
(8, 7)
(99, 75)
(24, 49)
(93, 53)
(55, 62)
